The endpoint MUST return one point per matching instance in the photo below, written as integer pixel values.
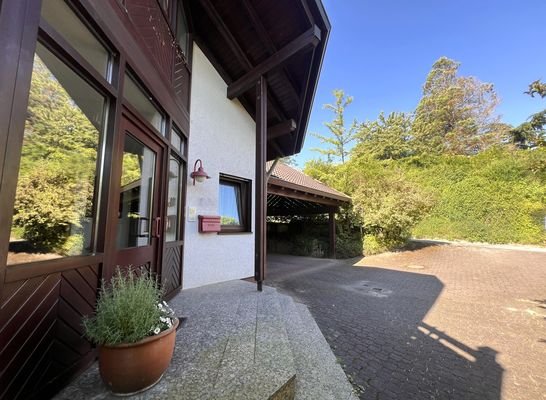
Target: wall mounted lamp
(199, 174)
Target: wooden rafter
(300, 195)
(265, 38)
(309, 39)
(238, 52)
(315, 192)
(284, 128)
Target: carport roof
(291, 192)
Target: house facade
(107, 108)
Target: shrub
(128, 310)
(389, 207)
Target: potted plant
(134, 330)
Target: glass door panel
(136, 195)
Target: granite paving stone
(233, 345)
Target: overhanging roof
(291, 192)
(284, 40)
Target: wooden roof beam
(295, 195)
(269, 44)
(284, 128)
(237, 51)
(277, 148)
(309, 39)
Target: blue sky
(380, 52)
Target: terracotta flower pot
(132, 368)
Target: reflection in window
(143, 103)
(54, 212)
(178, 141)
(234, 202)
(182, 34)
(136, 195)
(61, 17)
(230, 203)
(172, 231)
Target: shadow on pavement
(373, 320)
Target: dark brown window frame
(55, 43)
(245, 190)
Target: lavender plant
(128, 309)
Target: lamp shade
(199, 173)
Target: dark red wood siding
(41, 334)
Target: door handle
(157, 227)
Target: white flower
(163, 319)
(157, 330)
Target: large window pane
(136, 195)
(61, 17)
(172, 227)
(143, 104)
(55, 204)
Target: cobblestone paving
(440, 322)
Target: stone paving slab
(319, 374)
(235, 345)
(215, 353)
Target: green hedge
(498, 196)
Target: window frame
(84, 71)
(245, 190)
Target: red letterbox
(209, 223)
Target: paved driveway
(440, 322)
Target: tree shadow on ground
(373, 320)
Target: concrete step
(318, 375)
(238, 343)
(269, 371)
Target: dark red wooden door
(138, 220)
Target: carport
(290, 192)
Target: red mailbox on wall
(209, 223)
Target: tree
(388, 137)
(341, 136)
(456, 113)
(537, 87)
(532, 133)
(386, 203)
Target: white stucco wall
(222, 135)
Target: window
(60, 16)
(235, 204)
(172, 225)
(178, 141)
(142, 102)
(182, 31)
(55, 204)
